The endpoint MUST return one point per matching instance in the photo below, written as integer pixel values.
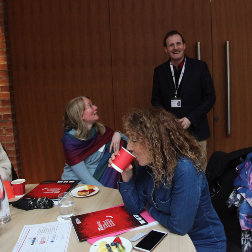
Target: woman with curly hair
(87, 145)
(169, 182)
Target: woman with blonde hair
(169, 182)
(87, 145)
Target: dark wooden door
(105, 49)
(137, 32)
(231, 21)
(59, 50)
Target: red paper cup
(122, 160)
(18, 186)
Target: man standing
(184, 87)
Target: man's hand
(185, 122)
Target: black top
(196, 92)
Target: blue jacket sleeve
(133, 199)
(184, 201)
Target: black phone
(150, 241)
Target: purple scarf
(76, 150)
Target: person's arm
(184, 201)
(156, 96)
(115, 142)
(82, 171)
(208, 97)
(131, 192)
(185, 122)
(123, 137)
(84, 175)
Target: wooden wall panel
(106, 49)
(60, 49)
(231, 22)
(137, 32)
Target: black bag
(30, 204)
(221, 173)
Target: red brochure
(99, 223)
(51, 189)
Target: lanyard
(180, 77)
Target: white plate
(125, 242)
(75, 190)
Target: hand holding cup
(121, 161)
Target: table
(105, 198)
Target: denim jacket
(182, 207)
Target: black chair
(221, 173)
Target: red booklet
(99, 223)
(51, 189)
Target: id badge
(176, 103)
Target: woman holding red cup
(88, 144)
(169, 181)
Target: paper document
(46, 237)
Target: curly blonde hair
(72, 119)
(165, 140)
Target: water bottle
(4, 205)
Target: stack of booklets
(104, 222)
(51, 189)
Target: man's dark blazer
(196, 92)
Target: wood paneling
(106, 49)
(60, 49)
(231, 21)
(137, 32)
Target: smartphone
(150, 241)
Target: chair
(221, 173)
